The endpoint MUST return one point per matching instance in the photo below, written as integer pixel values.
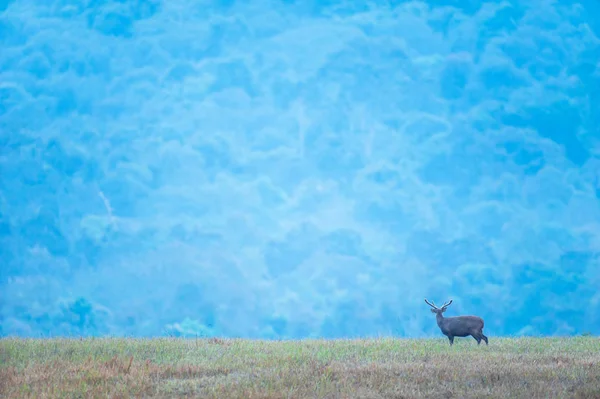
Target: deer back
(460, 325)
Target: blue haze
(288, 169)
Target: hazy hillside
(297, 169)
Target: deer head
(435, 309)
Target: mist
(297, 169)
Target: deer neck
(440, 319)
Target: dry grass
(373, 368)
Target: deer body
(458, 326)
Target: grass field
(371, 368)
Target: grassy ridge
(370, 368)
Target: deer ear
(432, 310)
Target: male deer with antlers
(459, 326)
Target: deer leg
(451, 339)
(484, 338)
(477, 338)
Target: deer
(458, 326)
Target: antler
(431, 304)
(447, 304)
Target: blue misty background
(286, 169)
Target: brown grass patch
(219, 368)
(115, 377)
